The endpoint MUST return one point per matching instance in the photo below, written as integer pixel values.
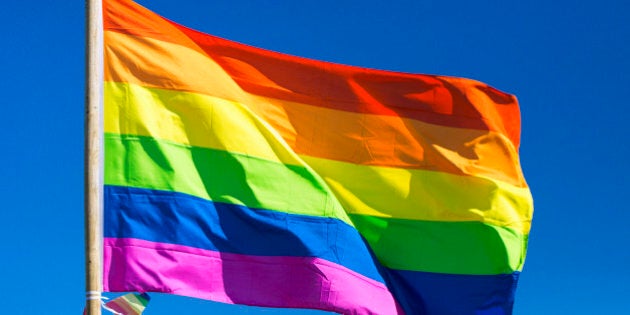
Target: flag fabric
(129, 304)
(246, 176)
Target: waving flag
(245, 176)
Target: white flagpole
(93, 156)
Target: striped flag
(129, 304)
(245, 176)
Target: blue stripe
(446, 294)
(176, 218)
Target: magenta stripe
(274, 281)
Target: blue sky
(566, 61)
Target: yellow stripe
(425, 195)
(311, 130)
(191, 119)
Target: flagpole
(93, 157)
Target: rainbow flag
(129, 304)
(241, 175)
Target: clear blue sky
(567, 62)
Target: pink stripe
(274, 281)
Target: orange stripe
(392, 141)
(379, 140)
(438, 100)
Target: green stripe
(217, 175)
(443, 247)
